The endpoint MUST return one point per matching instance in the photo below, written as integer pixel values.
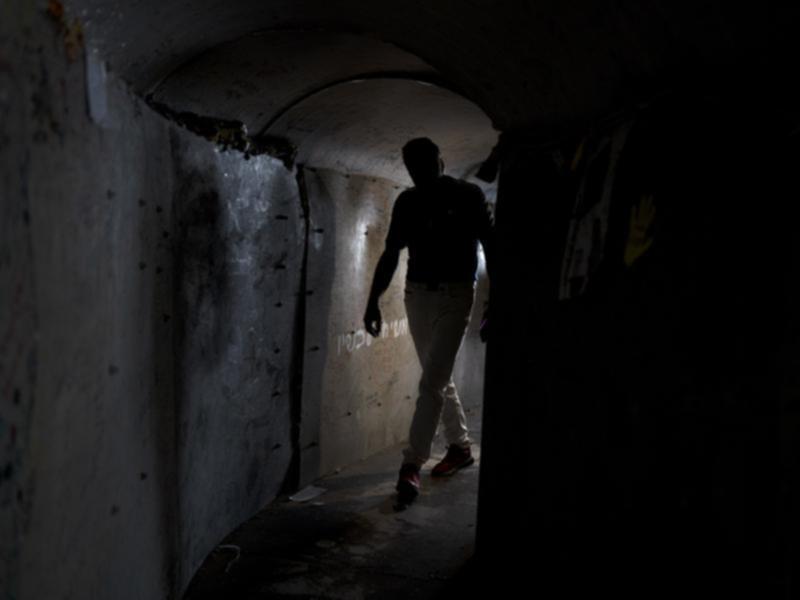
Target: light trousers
(437, 320)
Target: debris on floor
(308, 493)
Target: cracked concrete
(229, 133)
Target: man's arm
(384, 271)
(486, 231)
(486, 238)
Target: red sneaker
(455, 459)
(408, 482)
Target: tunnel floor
(349, 543)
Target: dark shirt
(441, 226)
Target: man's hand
(372, 319)
(384, 270)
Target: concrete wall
(238, 241)
(363, 389)
(153, 286)
(18, 346)
(87, 367)
(149, 285)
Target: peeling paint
(71, 30)
(229, 133)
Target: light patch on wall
(358, 246)
(261, 201)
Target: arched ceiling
(545, 65)
(346, 102)
(258, 77)
(360, 127)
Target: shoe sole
(469, 462)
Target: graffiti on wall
(588, 228)
(640, 232)
(359, 339)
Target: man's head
(422, 160)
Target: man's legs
(454, 419)
(437, 321)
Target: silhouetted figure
(440, 220)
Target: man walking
(440, 220)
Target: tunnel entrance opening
(349, 138)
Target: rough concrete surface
(18, 346)
(114, 468)
(362, 388)
(239, 250)
(349, 543)
(86, 204)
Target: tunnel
(194, 199)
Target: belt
(440, 286)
